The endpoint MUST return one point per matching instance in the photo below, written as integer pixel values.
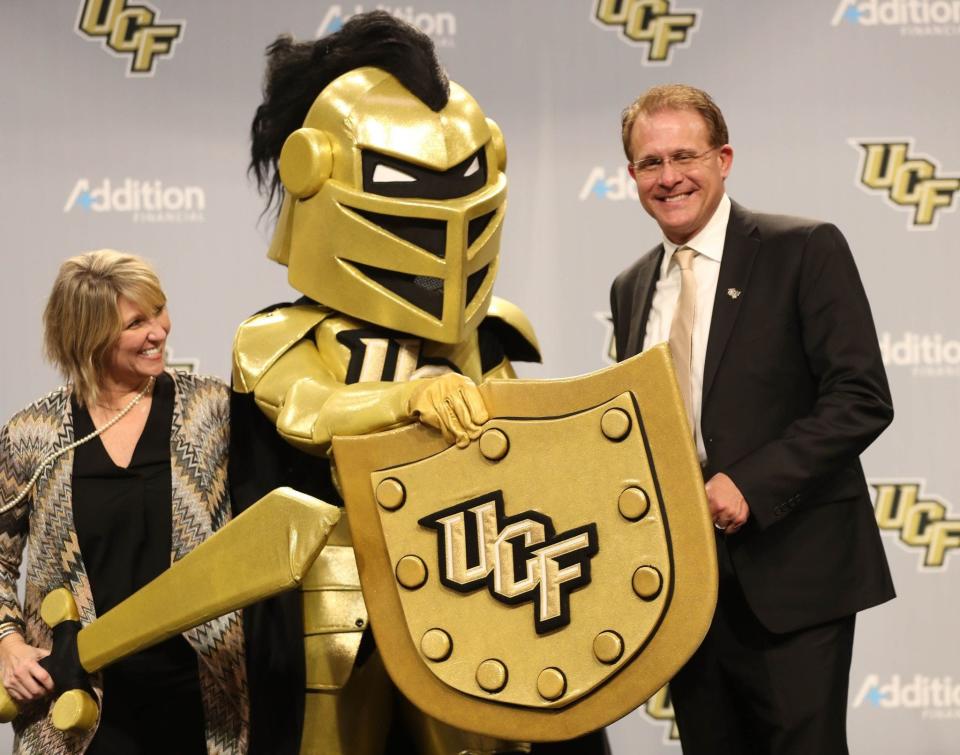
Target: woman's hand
(452, 404)
(23, 677)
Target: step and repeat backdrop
(133, 133)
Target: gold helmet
(392, 209)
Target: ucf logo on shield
(551, 576)
(519, 559)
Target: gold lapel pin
(734, 293)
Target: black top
(122, 515)
(124, 522)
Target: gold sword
(267, 549)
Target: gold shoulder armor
(515, 330)
(262, 339)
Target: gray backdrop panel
(799, 84)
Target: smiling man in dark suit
(778, 362)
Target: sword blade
(267, 549)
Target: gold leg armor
(348, 707)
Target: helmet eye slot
(390, 176)
(422, 291)
(385, 174)
(429, 235)
(474, 281)
(477, 226)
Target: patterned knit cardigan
(44, 521)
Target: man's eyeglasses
(682, 161)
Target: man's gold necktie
(681, 329)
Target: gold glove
(452, 404)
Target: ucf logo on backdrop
(910, 181)
(550, 577)
(129, 29)
(648, 22)
(920, 520)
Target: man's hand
(727, 505)
(452, 404)
(23, 678)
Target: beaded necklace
(60, 452)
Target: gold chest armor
(315, 373)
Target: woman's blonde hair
(81, 321)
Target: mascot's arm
(309, 406)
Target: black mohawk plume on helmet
(298, 71)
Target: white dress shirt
(708, 244)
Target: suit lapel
(645, 283)
(739, 251)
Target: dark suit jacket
(794, 390)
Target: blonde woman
(108, 515)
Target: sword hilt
(8, 708)
(75, 709)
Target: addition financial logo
(144, 201)
(934, 697)
(912, 18)
(611, 185)
(440, 27)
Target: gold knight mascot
(392, 195)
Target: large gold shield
(550, 577)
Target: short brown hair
(675, 97)
(81, 321)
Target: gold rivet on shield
(492, 675)
(494, 444)
(436, 645)
(647, 582)
(551, 684)
(615, 424)
(411, 572)
(633, 504)
(608, 647)
(391, 494)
